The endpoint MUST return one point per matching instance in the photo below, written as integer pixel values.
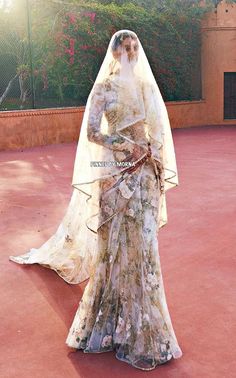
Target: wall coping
(218, 28)
(39, 112)
(185, 102)
(80, 109)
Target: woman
(124, 164)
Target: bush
(68, 43)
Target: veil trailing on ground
(105, 151)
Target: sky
(6, 4)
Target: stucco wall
(186, 113)
(218, 56)
(22, 129)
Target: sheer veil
(72, 250)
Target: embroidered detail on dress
(124, 189)
(107, 341)
(68, 239)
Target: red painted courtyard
(197, 250)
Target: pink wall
(218, 55)
(187, 113)
(22, 129)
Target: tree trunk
(5, 93)
(23, 90)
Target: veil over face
(125, 113)
(138, 99)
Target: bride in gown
(124, 164)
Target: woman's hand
(129, 153)
(122, 146)
(137, 153)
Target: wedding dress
(110, 231)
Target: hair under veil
(72, 249)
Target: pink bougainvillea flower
(72, 46)
(99, 49)
(72, 18)
(60, 36)
(64, 25)
(71, 60)
(84, 47)
(92, 15)
(71, 50)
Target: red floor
(197, 250)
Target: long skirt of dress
(124, 307)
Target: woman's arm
(113, 142)
(94, 134)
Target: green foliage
(69, 41)
(76, 39)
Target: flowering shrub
(68, 44)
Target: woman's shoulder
(99, 88)
(103, 85)
(108, 82)
(111, 81)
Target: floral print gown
(124, 307)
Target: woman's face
(130, 46)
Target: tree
(14, 44)
(68, 42)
